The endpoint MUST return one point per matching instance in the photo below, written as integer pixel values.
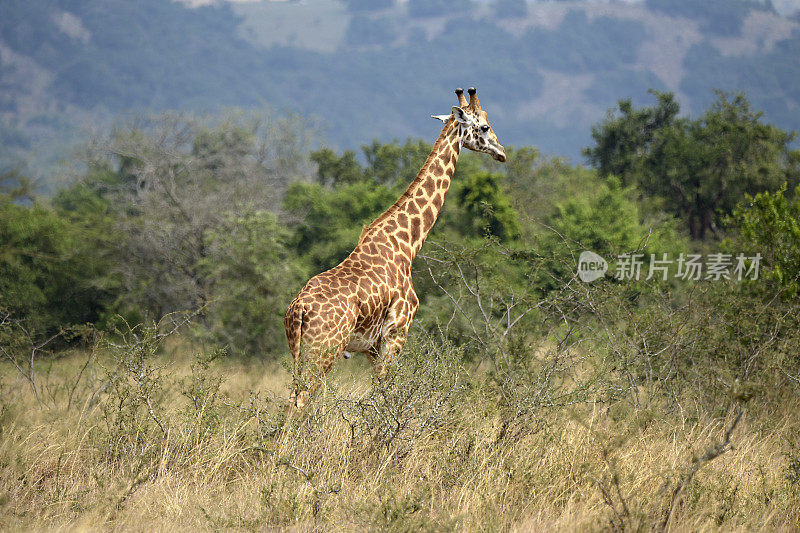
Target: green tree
(394, 163)
(621, 141)
(171, 180)
(385, 163)
(605, 222)
(87, 210)
(331, 220)
(699, 168)
(536, 185)
(15, 185)
(336, 170)
(487, 206)
(769, 224)
(254, 275)
(51, 274)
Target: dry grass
(222, 466)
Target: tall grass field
(149, 433)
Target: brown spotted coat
(367, 302)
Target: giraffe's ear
(462, 116)
(443, 118)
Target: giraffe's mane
(445, 133)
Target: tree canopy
(700, 168)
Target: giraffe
(367, 302)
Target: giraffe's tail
(293, 320)
(294, 328)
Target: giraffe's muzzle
(499, 153)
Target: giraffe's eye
(484, 129)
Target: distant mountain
(369, 69)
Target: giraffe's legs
(391, 345)
(395, 331)
(326, 327)
(309, 377)
(306, 382)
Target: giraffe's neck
(412, 216)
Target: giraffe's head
(476, 132)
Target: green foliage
(349, 195)
(478, 292)
(169, 216)
(621, 140)
(769, 224)
(332, 219)
(254, 276)
(392, 167)
(169, 181)
(15, 185)
(386, 163)
(180, 214)
(536, 184)
(394, 163)
(487, 206)
(599, 213)
(51, 273)
(604, 222)
(608, 221)
(337, 170)
(698, 167)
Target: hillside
(546, 70)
